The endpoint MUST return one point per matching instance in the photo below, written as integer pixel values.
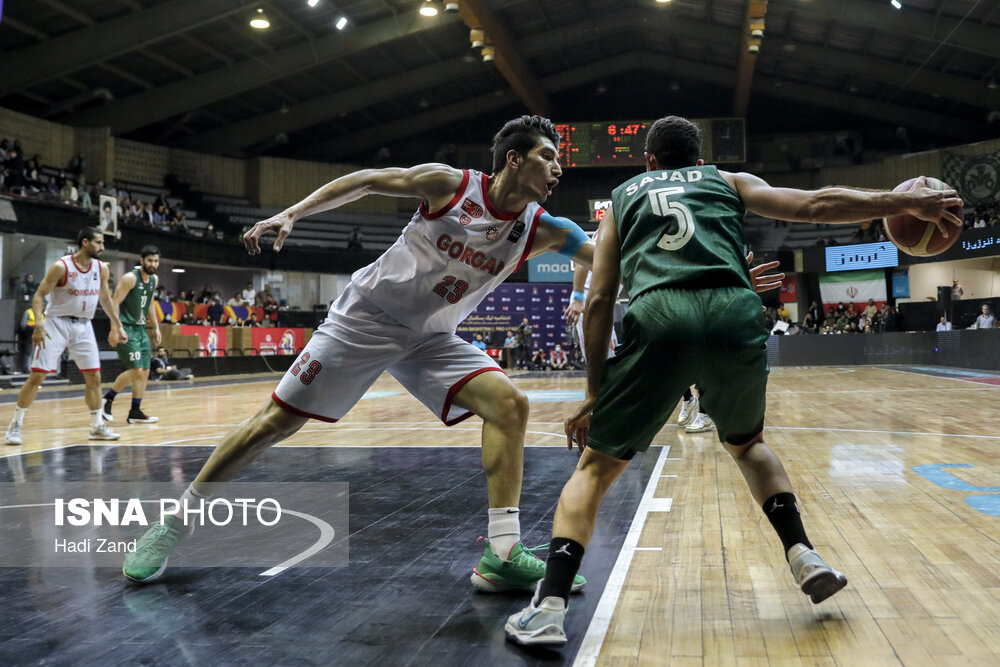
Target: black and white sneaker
(106, 412)
(140, 417)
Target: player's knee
(513, 408)
(92, 378)
(738, 451)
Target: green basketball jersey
(136, 304)
(680, 228)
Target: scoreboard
(621, 143)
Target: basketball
(918, 237)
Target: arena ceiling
(193, 74)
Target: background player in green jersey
(674, 237)
(134, 297)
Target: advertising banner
(211, 340)
(278, 340)
(550, 267)
(856, 286)
(505, 308)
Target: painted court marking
(599, 624)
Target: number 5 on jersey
(660, 201)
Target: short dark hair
(675, 142)
(521, 135)
(87, 234)
(107, 204)
(148, 250)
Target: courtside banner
(211, 340)
(856, 286)
(272, 525)
(277, 340)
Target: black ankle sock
(564, 562)
(136, 402)
(110, 394)
(783, 513)
(687, 394)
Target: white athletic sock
(192, 499)
(19, 416)
(96, 418)
(504, 530)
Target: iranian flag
(856, 286)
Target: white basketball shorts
(583, 349)
(67, 333)
(356, 343)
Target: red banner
(789, 290)
(212, 339)
(279, 340)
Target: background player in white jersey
(73, 284)
(399, 315)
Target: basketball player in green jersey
(134, 297)
(674, 237)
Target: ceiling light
(992, 84)
(663, 1)
(489, 53)
(429, 8)
(177, 269)
(259, 21)
(477, 36)
(341, 23)
(312, 3)
(895, 3)
(451, 6)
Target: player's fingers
(952, 218)
(250, 242)
(942, 227)
(765, 287)
(581, 438)
(282, 235)
(750, 257)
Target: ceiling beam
(896, 114)
(175, 98)
(909, 22)
(56, 57)
(511, 65)
(73, 13)
(20, 26)
(754, 20)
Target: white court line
(599, 624)
(326, 535)
(649, 548)
(943, 377)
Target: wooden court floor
(896, 472)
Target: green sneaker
(149, 559)
(522, 571)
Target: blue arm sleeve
(577, 237)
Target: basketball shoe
(688, 411)
(140, 417)
(701, 423)
(13, 436)
(152, 551)
(106, 412)
(523, 570)
(816, 579)
(538, 624)
(102, 432)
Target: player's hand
(39, 335)
(762, 283)
(157, 337)
(573, 312)
(280, 224)
(932, 206)
(578, 426)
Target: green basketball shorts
(673, 338)
(136, 353)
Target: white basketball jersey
(78, 293)
(445, 263)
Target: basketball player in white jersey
(399, 314)
(74, 285)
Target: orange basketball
(918, 237)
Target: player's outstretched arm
(433, 183)
(844, 205)
(762, 283)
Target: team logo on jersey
(72, 276)
(472, 208)
(516, 232)
(492, 233)
(465, 220)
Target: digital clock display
(622, 143)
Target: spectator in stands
(944, 324)
(985, 319)
(215, 312)
(52, 190)
(4, 149)
(85, 201)
(181, 226)
(97, 191)
(841, 309)
(956, 290)
(32, 177)
(252, 320)
(248, 295)
(816, 312)
(852, 314)
(162, 369)
(205, 294)
(14, 171)
(979, 223)
(236, 299)
(871, 310)
(354, 239)
(270, 311)
(27, 288)
(77, 165)
(558, 359)
(524, 343)
(68, 193)
(538, 361)
(783, 313)
(841, 323)
(477, 341)
(158, 294)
